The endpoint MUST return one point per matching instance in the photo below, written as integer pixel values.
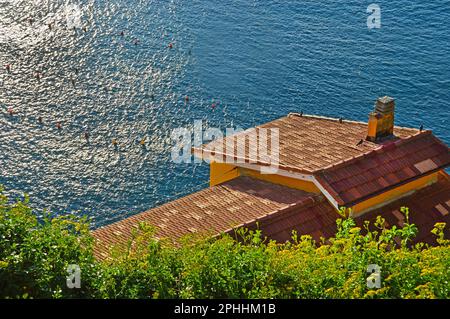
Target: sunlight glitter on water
(257, 60)
(92, 79)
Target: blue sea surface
(255, 60)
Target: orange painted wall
(220, 173)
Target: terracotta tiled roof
(277, 210)
(427, 206)
(309, 143)
(397, 162)
(214, 210)
(317, 219)
(336, 153)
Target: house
(323, 164)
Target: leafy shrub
(34, 256)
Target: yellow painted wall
(220, 173)
(282, 180)
(393, 194)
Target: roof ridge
(334, 119)
(414, 136)
(375, 151)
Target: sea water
(120, 69)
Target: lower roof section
(427, 206)
(276, 210)
(211, 211)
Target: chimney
(381, 120)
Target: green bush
(34, 256)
